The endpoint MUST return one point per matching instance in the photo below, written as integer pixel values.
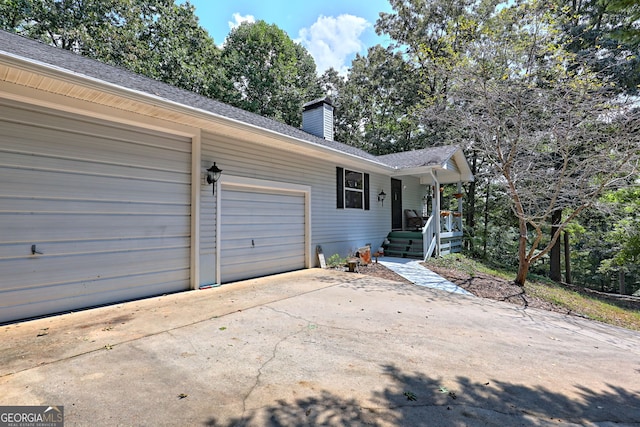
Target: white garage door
(262, 233)
(107, 207)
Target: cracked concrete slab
(321, 347)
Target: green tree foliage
(272, 75)
(376, 103)
(609, 243)
(605, 35)
(432, 34)
(67, 24)
(157, 38)
(168, 44)
(550, 129)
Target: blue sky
(333, 31)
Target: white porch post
(460, 206)
(436, 209)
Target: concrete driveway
(321, 347)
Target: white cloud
(239, 19)
(332, 41)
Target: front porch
(432, 225)
(426, 242)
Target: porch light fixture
(381, 197)
(213, 175)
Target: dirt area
(498, 289)
(481, 285)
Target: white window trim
(356, 190)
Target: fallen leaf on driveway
(410, 396)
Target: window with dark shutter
(352, 189)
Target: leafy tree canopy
(273, 76)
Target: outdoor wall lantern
(381, 197)
(213, 174)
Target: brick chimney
(317, 118)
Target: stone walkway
(415, 272)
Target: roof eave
(54, 72)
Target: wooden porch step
(404, 244)
(404, 254)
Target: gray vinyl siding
(108, 206)
(319, 121)
(337, 230)
(452, 166)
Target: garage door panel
(263, 232)
(26, 204)
(44, 183)
(35, 228)
(23, 130)
(13, 161)
(88, 288)
(238, 255)
(267, 241)
(63, 247)
(74, 296)
(50, 120)
(105, 151)
(108, 205)
(238, 217)
(44, 270)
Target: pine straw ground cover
(538, 293)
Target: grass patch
(470, 266)
(586, 305)
(591, 305)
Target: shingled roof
(38, 52)
(417, 158)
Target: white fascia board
(72, 77)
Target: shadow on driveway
(420, 400)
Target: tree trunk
(471, 203)
(555, 271)
(623, 289)
(486, 222)
(523, 271)
(567, 259)
(523, 260)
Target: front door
(396, 204)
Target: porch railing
(429, 238)
(451, 222)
